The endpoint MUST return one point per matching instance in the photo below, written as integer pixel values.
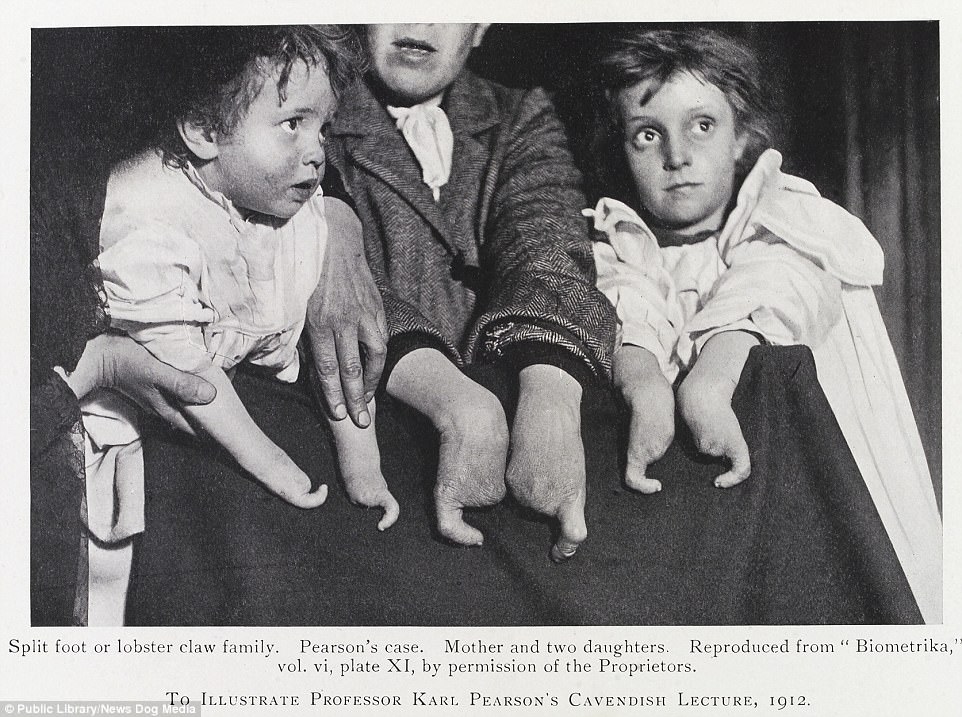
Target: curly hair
(215, 73)
(657, 55)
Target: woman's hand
(705, 398)
(118, 362)
(344, 313)
(547, 467)
(651, 402)
(473, 434)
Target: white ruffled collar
(233, 213)
(791, 209)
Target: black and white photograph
(437, 343)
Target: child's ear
(738, 149)
(199, 140)
(479, 30)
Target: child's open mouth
(307, 187)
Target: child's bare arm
(227, 421)
(649, 397)
(705, 397)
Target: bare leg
(107, 579)
(229, 423)
(360, 462)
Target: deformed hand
(473, 433)
(715, 429)
(360, 463)
(546, 471)
(717, 433)
(705, 402)
(651, 401)
(471, 460)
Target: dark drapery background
(872, 144)
(860, 106)
(860, 119)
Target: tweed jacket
(503, 259)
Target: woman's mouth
(410, 45)
(414, 53)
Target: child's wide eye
(705, 126)
(291, 124)
(645, 136)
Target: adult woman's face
(415, 62)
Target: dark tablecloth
(799, 542)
